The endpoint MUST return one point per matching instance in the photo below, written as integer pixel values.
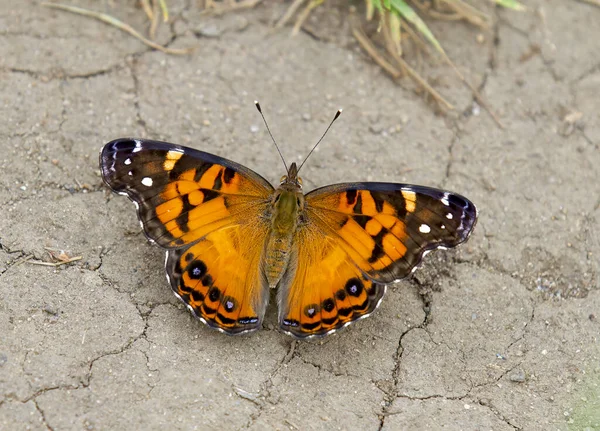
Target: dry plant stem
(220, 10)
(62, 262)
(593, 2)
(411, 32)
(476, 93)
(23, 259)
(444, 16)
(395, 73)
(366, 44)
(390, 45)
(154, 22)
(289, 13)
(414, 75)
(469, 13)
(304, 14)
(118, 24)
(410, 71)
(147, 9)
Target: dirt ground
(512, 336)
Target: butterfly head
(291, 181)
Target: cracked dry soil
(510, 336)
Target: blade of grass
(164, 9)
(118, 24)
(411, 16)
(514, 4)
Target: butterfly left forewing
(181, 194)
(355, 239)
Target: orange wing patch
(202, 200)
(387, 228)
(219, 278)
(372, 233)
(327, 290)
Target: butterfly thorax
(287, 206)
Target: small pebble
(518, 376)
(376, 128)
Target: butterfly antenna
(269, 130)
(337, 114)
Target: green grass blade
(408, 13)
(510, 4)
(377, 5)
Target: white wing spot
(443, 227)
(445, 199)
(147, 181)
(130, 173)
(424, 228)
(127, 161)
(449, 216)
(138, 147)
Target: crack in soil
(265, 390)
(43, 415)
(393, 394)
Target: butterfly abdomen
(277, 256)
(286, 206)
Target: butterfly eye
(283, 179)
(300, 181)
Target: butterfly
(231, 236)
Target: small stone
(376, 128)
(518, 376)
(306, 116)
(209, 30)
(3, 359)
(254, 128)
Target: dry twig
(118, 24)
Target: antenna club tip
(257, 106)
